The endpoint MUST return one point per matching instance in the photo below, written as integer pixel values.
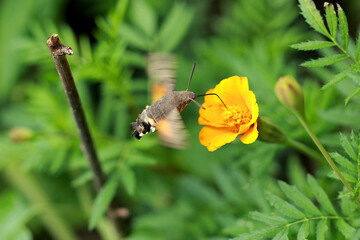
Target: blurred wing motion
(161, 68)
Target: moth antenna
(197, 103)
(191, 75)
(202, 95)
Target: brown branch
(58, 52)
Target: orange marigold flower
(238, 118)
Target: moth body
(161, 109)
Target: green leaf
(102, 201)
(258, 235)
(134, 37)
(143, 16)
(347, 177)
(174, 28)
(284, 207)
(282, 235)
(358, 48)
(324, 61)
(348, 206)
(345, 228)
(299, 199)
(14, 214)
(303, 231)
(346, 144)
(331, 18)
(343, 27)
(127, 177)
(268, 219)
(353, 94)
(343, 161)
(312, 45)
(320, 195)
(321, 229)
(337, 78)
(312, 16)
(355, 141)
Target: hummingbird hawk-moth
(164, 114)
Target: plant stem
(326, 155)
(303, 148)
(32, 190)
(58, 52)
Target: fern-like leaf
(102, 201)
(345, 228)
(324, 61)
(312, 45)
(143, 16)
(343, 161)
(267, 218)
(331, 18)
(299, 199)
(347, 146)
(258, 234)
(282, 235)
(284, 207)
(303, 231)
(321, 229)
(312, 16)
(175, 27)
(358, 48)
(338, 78)
(348, 177)
(353, 94)
(343, 27)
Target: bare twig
(58, 52)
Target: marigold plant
(237, 116)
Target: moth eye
(152, 129)
(147, 126)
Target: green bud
(269, 131)
(290, 94)
(18, 134)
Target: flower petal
(213, 137)
(212, 115)
(233, 90)
(251, 135)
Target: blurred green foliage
(46, 190)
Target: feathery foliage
(334, 19)
(300, 217)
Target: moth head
(135, 132)
(141, 129)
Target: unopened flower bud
(269, 131)
(18, 134)
(290, 94)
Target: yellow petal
(212, 115)
(251, 135)
(213, 137)
(233, 90)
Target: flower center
(236, 116)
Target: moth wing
(161, 69)
(172, 131)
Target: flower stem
(303, 148)
(326, 155)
